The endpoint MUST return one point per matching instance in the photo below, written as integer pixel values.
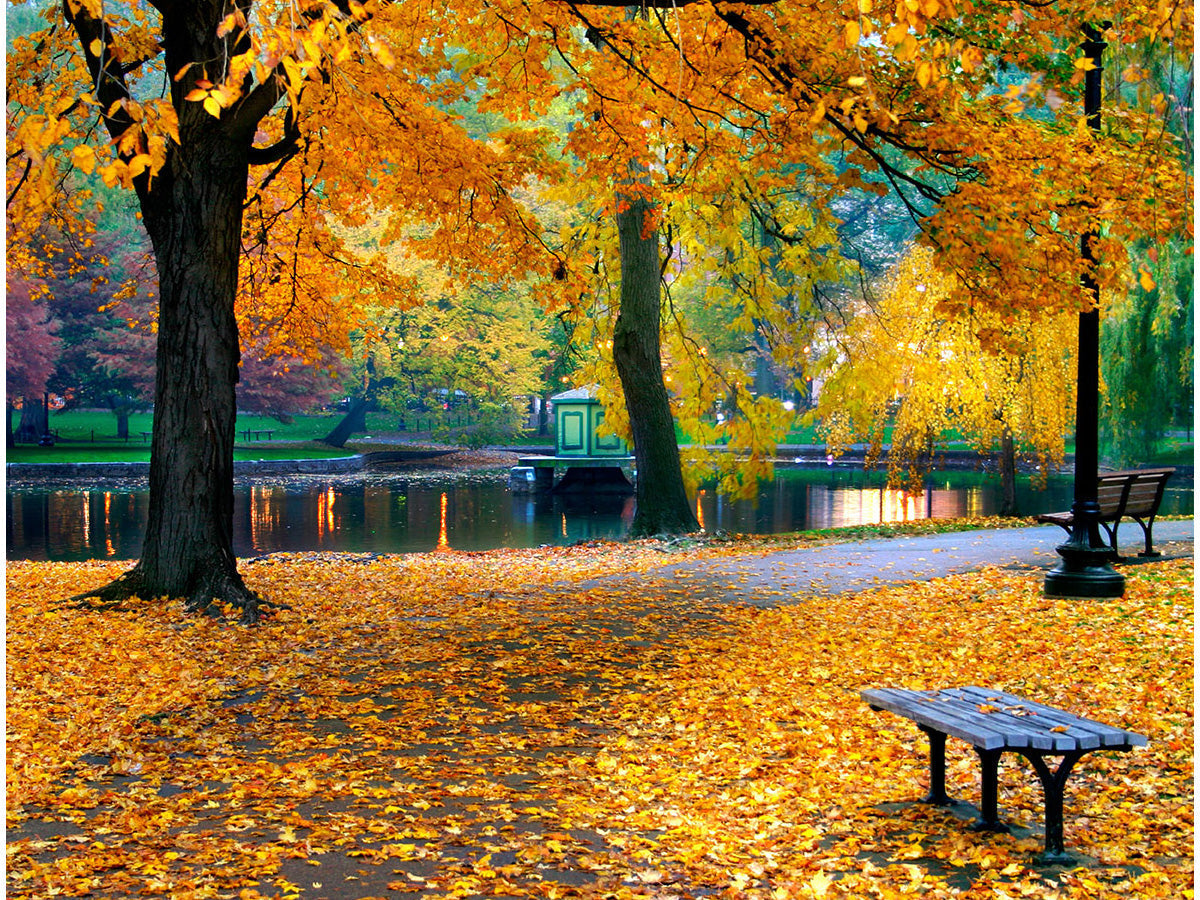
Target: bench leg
(937, 768)
(989, 820)
(1112, 537)
(1053, 785)
(1146, 528)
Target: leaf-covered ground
(472, 725)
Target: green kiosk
(590, 460)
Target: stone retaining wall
(339, 465)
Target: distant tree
(1005, 383)
(102, 290)
(283, 385)
(33, 347)
(451, 337)
(1148, 358)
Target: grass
(91, 435)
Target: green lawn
(100, 426)
(91, 435)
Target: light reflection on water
(399, 515)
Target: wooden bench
(994, 722)
(258, 435)
(1134, 494)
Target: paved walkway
(857, 565)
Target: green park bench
(994, 722)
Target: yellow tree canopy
(906, 374)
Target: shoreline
(443, 458)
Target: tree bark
(1008, 474)
(33, 420)
(354, 420)
(662, 502)
(122, 423)
(193, 213)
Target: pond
(417, 513)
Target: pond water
(414, 513)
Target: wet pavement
(836, 568)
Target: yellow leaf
(852, 34)
(1145, 279)
(819, 884)
(84, 158)
(383, 55)
(139, 164)
(924, 74)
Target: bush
(495, 423)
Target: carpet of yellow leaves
(500, 724)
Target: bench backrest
(1135, 492)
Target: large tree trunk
(193, 213)
(662, 503)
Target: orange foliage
(463, 724)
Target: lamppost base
(1083, 572)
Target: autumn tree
(261, 125)
(104, 296)
(906, 376)
(968, 116)
(31, 351)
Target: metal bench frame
(994, 722)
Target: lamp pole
(1084, 570)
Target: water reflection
(397, 516)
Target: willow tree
(905, 372)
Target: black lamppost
(1084, 570)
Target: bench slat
(1027, 730)
(935, 716)
(1110, 736)
(1091, 734)
(978, 727)
(1013, 724)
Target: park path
(836, 568)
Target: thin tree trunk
(1008, 474)
(354, 420)
(662, 503)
